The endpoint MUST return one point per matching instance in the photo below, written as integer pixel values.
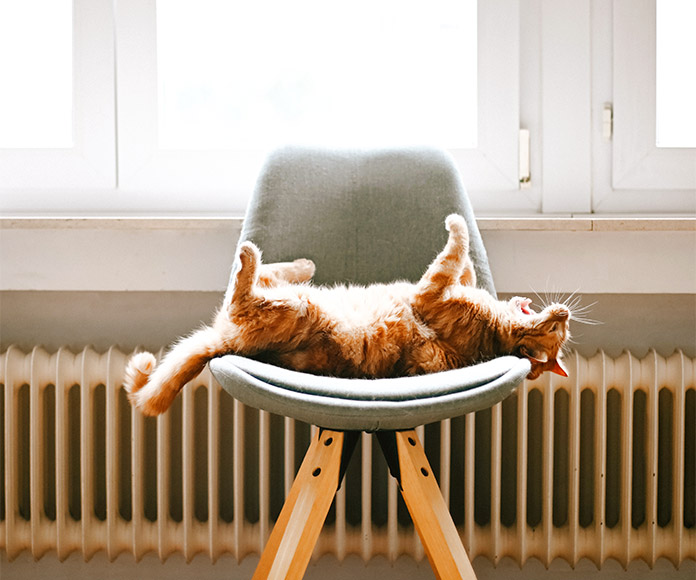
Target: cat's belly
(363, 307)
(368, 336)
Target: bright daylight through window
(676, 73)
(371, 73)
(36, 71)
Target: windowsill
(578, 223)
(590, 223)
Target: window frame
(632, 174)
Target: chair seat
(369, 404)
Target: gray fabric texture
(479, 387)
(363, 217)
(390, 389)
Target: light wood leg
(295, 534)
(427, 507)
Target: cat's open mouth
(524, 305)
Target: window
(356, 74)
(652, 169)
(57, 111)
(36, 54)
(170, 106)
(675, 54)
(201, 115)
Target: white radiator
(600, 465)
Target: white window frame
(631, 172)
(562, 29)
(38, 179)
(222, 181)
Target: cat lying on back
(385, 330)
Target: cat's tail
(152, 388)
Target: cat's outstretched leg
(449, 266)
(468, 277)
(264, 317)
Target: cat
(441, 322)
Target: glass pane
(676, 73)
(36, 72)
(247, 75)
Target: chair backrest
(362, 216)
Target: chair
(363, 217)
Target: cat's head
(540, 337)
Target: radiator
(599, 465)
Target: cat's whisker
(580, 313)
(576, 309)
(549, 294)
(573, 299)
(542, 302)
(557, 295)
(588, 321)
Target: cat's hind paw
(249, 260)
(249, 255)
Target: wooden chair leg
(409, 464)
(295, 534)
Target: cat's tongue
(525, 306)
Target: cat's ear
(559, 368)
(555, 365)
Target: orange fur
(383, 330)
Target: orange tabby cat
(384, 330)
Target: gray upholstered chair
(363, 217)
